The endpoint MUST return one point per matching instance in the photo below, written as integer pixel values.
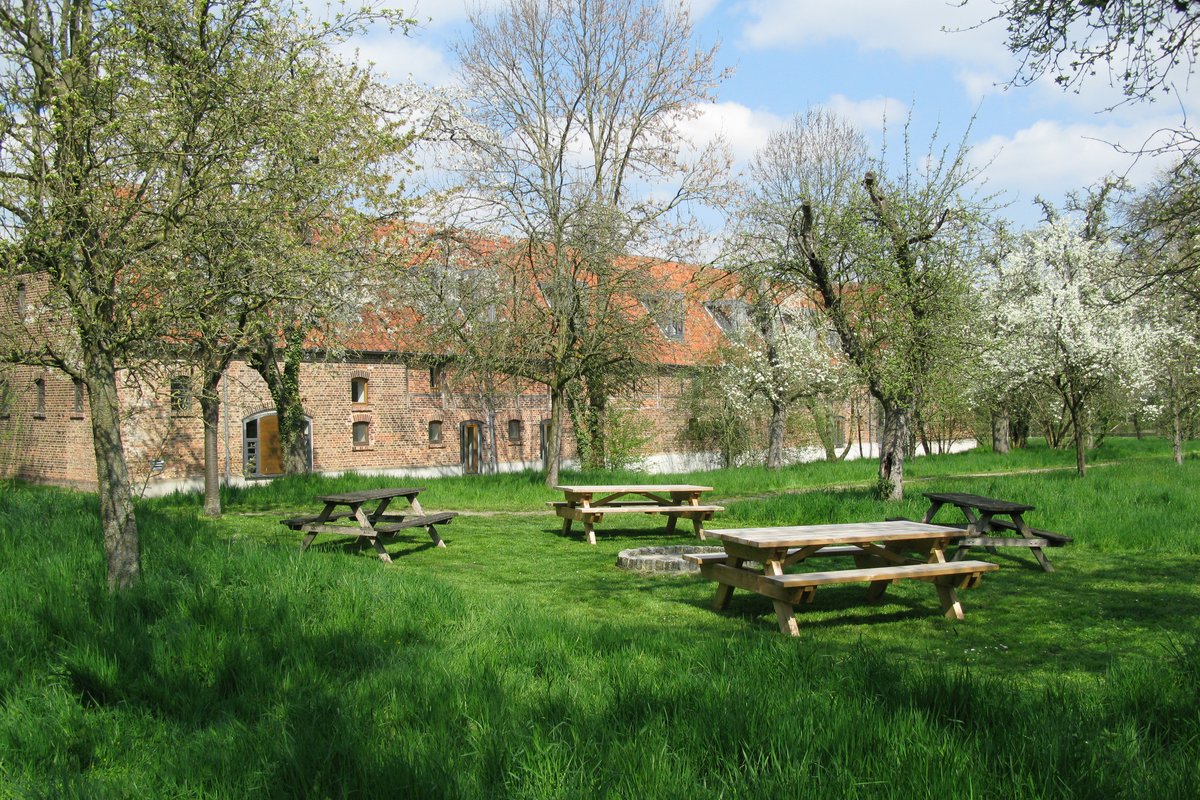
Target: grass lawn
(519, 663)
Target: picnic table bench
(985, 515)
(883, 552)
(589, 505)
(373, 526)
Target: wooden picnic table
(985, 516)
(883, 553)
(589, 504)
(369, 526)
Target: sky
(867, 59)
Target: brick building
(368, 410)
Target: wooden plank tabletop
(648, 487)
(842, 533)
(988, 504)
(367, 495)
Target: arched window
(362, 434)
(358, 390)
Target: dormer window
(668, 311)
(730, 315)
(358, 390)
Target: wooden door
(270, 454)
(471, 445)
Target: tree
(585, 100)
(889, 262)
(786, 359)
(1065, 330)
(1143, 45)
(136, 134)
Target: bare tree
(585, 99)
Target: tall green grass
(520, 663)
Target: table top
(634, 487)
(843, 533)
(989, 504)
(350, 498)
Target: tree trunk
(1176, 426)
(776, 432)
(1000, 432)
(121, 547)
(821, 423)
(893, 441)
(210, 412)
(554, 436)
(284, 386)
(1076, 412)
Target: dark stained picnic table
(985, 516)
(374, 525)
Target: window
(39, 408)
(730, 315)
(514, 430)
(437, 379)
(477, 295)
(5, 400)
(180, 396)
(358, 390)
(435, 432)
(362, 434)
(668, 312)
(77, 406)
(21, 299)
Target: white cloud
(744, 129)
(869, 114)
(911, 29)
(402, 58)
(1051, 158)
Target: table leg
(589, 530)
(383, 555)
(308, 539)
(951, 607)
(566, 529)
(672, 521)
(933, 509)
(698, 524)
(1024, 530)
(725, 590)
(784, 613)
(433, 534)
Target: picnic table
(369, 526)
(986, 515)
(589, 504)
(883, 553)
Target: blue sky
(864, 58)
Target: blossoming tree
(1062, 325)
